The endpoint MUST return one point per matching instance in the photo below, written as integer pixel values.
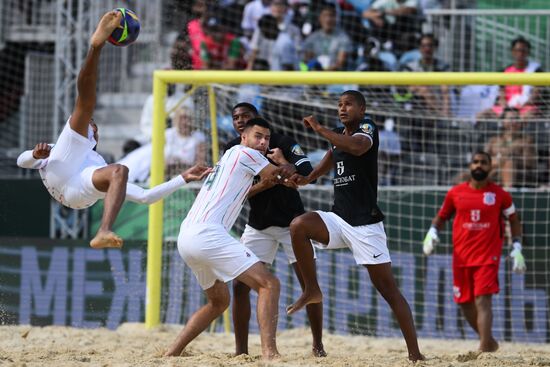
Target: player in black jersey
(273, 205)
(355, 221)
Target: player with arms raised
(355, 221)
(213, 255)
(478, 235)
(74, 173)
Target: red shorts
(472, 281)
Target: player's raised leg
(87, 78)
(382, 278)
(268, 287)
(217, 301)
(303, 229)
(241, 312)
(112, 180)
(315, 316)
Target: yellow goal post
(161, 79)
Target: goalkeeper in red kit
(480, 207)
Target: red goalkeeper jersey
(478, 227)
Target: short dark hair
(329, 7)
(358, 96)
(257, 121)
(482, 152)
(268, 26)
(248, 106)
(435, 41)
(520, 40)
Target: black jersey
(278, 205)
(356, 180)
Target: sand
(133, 345)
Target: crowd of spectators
(377, 35)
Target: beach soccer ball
(128, 30)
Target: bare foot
(416, 357)
(105, 27)
(106, 239)
(304, 300)
(491, 346)
(271, 356)
(319, 351)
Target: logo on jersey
(475, 215)
(340, 168)
(367, 128)
(456, 291)
(489, 198)
(297, 150)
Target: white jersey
(67, 172)
(225, 189)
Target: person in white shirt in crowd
(284, 14)
(328, 47)
(253, 11)
(272, 49)
(184, 146)
(74, 173)
(178, 56)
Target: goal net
(427, 136)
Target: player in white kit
(213, 255)
(74, 173)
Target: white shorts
(367, 243)
(263, 243)
(212, 254)
(68, 174)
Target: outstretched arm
(87, 78)
(148, 196)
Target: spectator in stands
(328, 47)
(179, 61)
(522, 97)
(436, 99)
(271, 48)
(372, 58)
(252, 13)
(220, 50)
(391, 19)
(389, 153)
(433, 101)
(411, 53)
(282, 12)
(474, 99)
(513, 152)
(183, 147)
(194, 30)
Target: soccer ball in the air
(128, 30)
